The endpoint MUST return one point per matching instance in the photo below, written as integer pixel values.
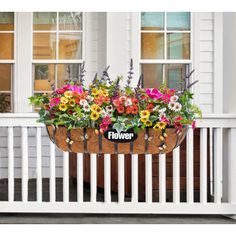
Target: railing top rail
(30, 120)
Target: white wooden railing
(223, 163)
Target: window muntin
(6, 60)
(165, 47)
(57, 48)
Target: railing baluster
(93, 177)
(80, 180)
(162, 178)
(66, 176)
(107, 177)
(176, 175)
(121, 178)
(52, 173)
(218, 165)
(134, 170)
(39, 164)
(24, 155)
(203, 165)
(10, 165)
(232, 166)
(148, 178)
(189, 165)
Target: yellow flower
(72, 102)
(94, 107)
(148, 123)
(94, 92)
(104, 93)
(98, 110)
(63, 107)
(64, 100)
(145, 113)
(68, 94)
(160, 125)
(94, 116)
(144, 119)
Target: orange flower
(120, 109)
(116, 102)
(129, 110)
(134, 110)
(149, 107)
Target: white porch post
(23, 84)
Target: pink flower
(154, 93)
(106, 120)
(178, 125)
(60, 91)
(54, 102)
(164, 119)
(73, 88)
(103, 126)
(166, 98)
(194, 124)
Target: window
(165, 47)
(6, 60)
(57, 48)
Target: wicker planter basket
(86, 141)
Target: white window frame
(23, 81)
(57, 60)
(136, 44)
(11, 62)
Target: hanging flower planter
(87, 141)
(105, 118)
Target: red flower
(106, 120)
(116, 102)
(120, 109)
(103, 126)
(166, 98)
(77, 100)
(98, 101)
(134, 110)
(178, 125)
(135, 101)
(149, 107)
(129, 110)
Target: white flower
(174, 98)
(128, 102)
(171, 106)
(83, 102)
(109, 113)
(122, 98)
(103, 113)
(155, 108)
(162, 110)
(177, 107)
(109, 108)
(86, 107)
(90, 98)
(162, 115)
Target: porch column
(23, 70)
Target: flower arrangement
(104, 104)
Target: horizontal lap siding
(206, 62)
(31, 151)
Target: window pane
(152, 74)
(67, 72)
(70, 21)
(5, 102)
(5, 77)
(6, 46)
(6, 21)
(178, 46)
(178, 21)
(44, 46)
(44, 75)
(174, 74)
(152, 20)
(70, 46)
(152, 45)
(45, 20)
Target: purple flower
(154, 93)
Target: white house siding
(204, 41)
